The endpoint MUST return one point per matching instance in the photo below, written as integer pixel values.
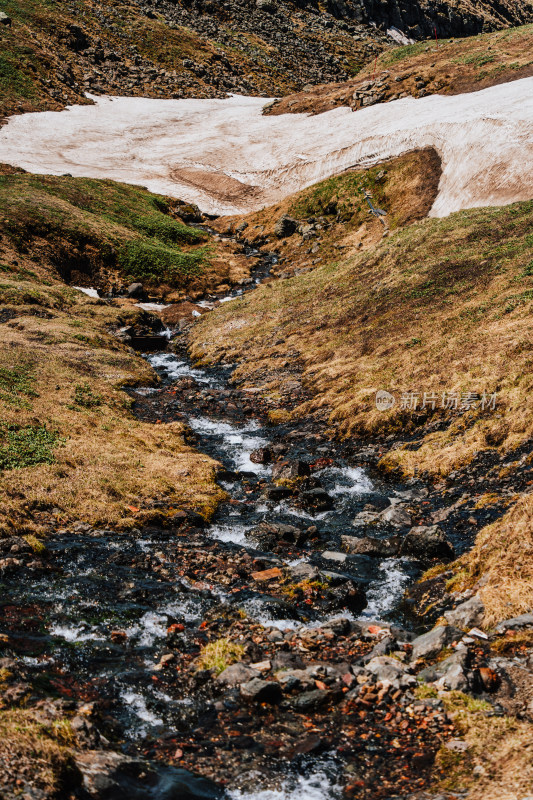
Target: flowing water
(93, 626)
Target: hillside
(266, 508)
(446, 67)
(441, 307)
(52, 54)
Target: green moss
(153, 261)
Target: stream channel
(99, 621)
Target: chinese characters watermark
(418, 401)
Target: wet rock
(468, 614)
(277, 493)
(396, 516)
(347, 595)
(114, 776)
(285, 226)
(427, 542)
(367, 545)
(286, 470)
(236, 674)
(431, 643)
(260, 691)
(136, 291)
(316, 499)
(262, 455)
(268, 534)
(310, 700)
(365, 518)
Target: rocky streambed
(269, 655)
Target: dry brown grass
(29, 746)
(503, 557)
(501, 746)
(440, 306)
(108, 460)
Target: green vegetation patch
(155, 261)
(89, 225)
(27, 446)
(17, 383)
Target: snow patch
(228, 158)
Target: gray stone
(396, 516)
(431, 643)
(303, 572)
(260, 691)
(5, 19)
(427, 541)
(367, 545)
(285, 227)
(523, 621)
(136, 290)
(365, 518)
(332, 555)
(237, 674)
(468, 614)
(385, 668)
(310, 700)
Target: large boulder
(369, 546)
(107, 775)
(431, 643)
(467, 614)
(285, 226)
(237, 674)
(427, 542)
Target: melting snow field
(227, 157)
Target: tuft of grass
(85, 397)
(37, 545)
(219, 654)
(39, 749)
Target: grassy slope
(69, 445)
(440, 306)
(100, 233)
(452, 67)
(443, 305)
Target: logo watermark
(417, 401)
